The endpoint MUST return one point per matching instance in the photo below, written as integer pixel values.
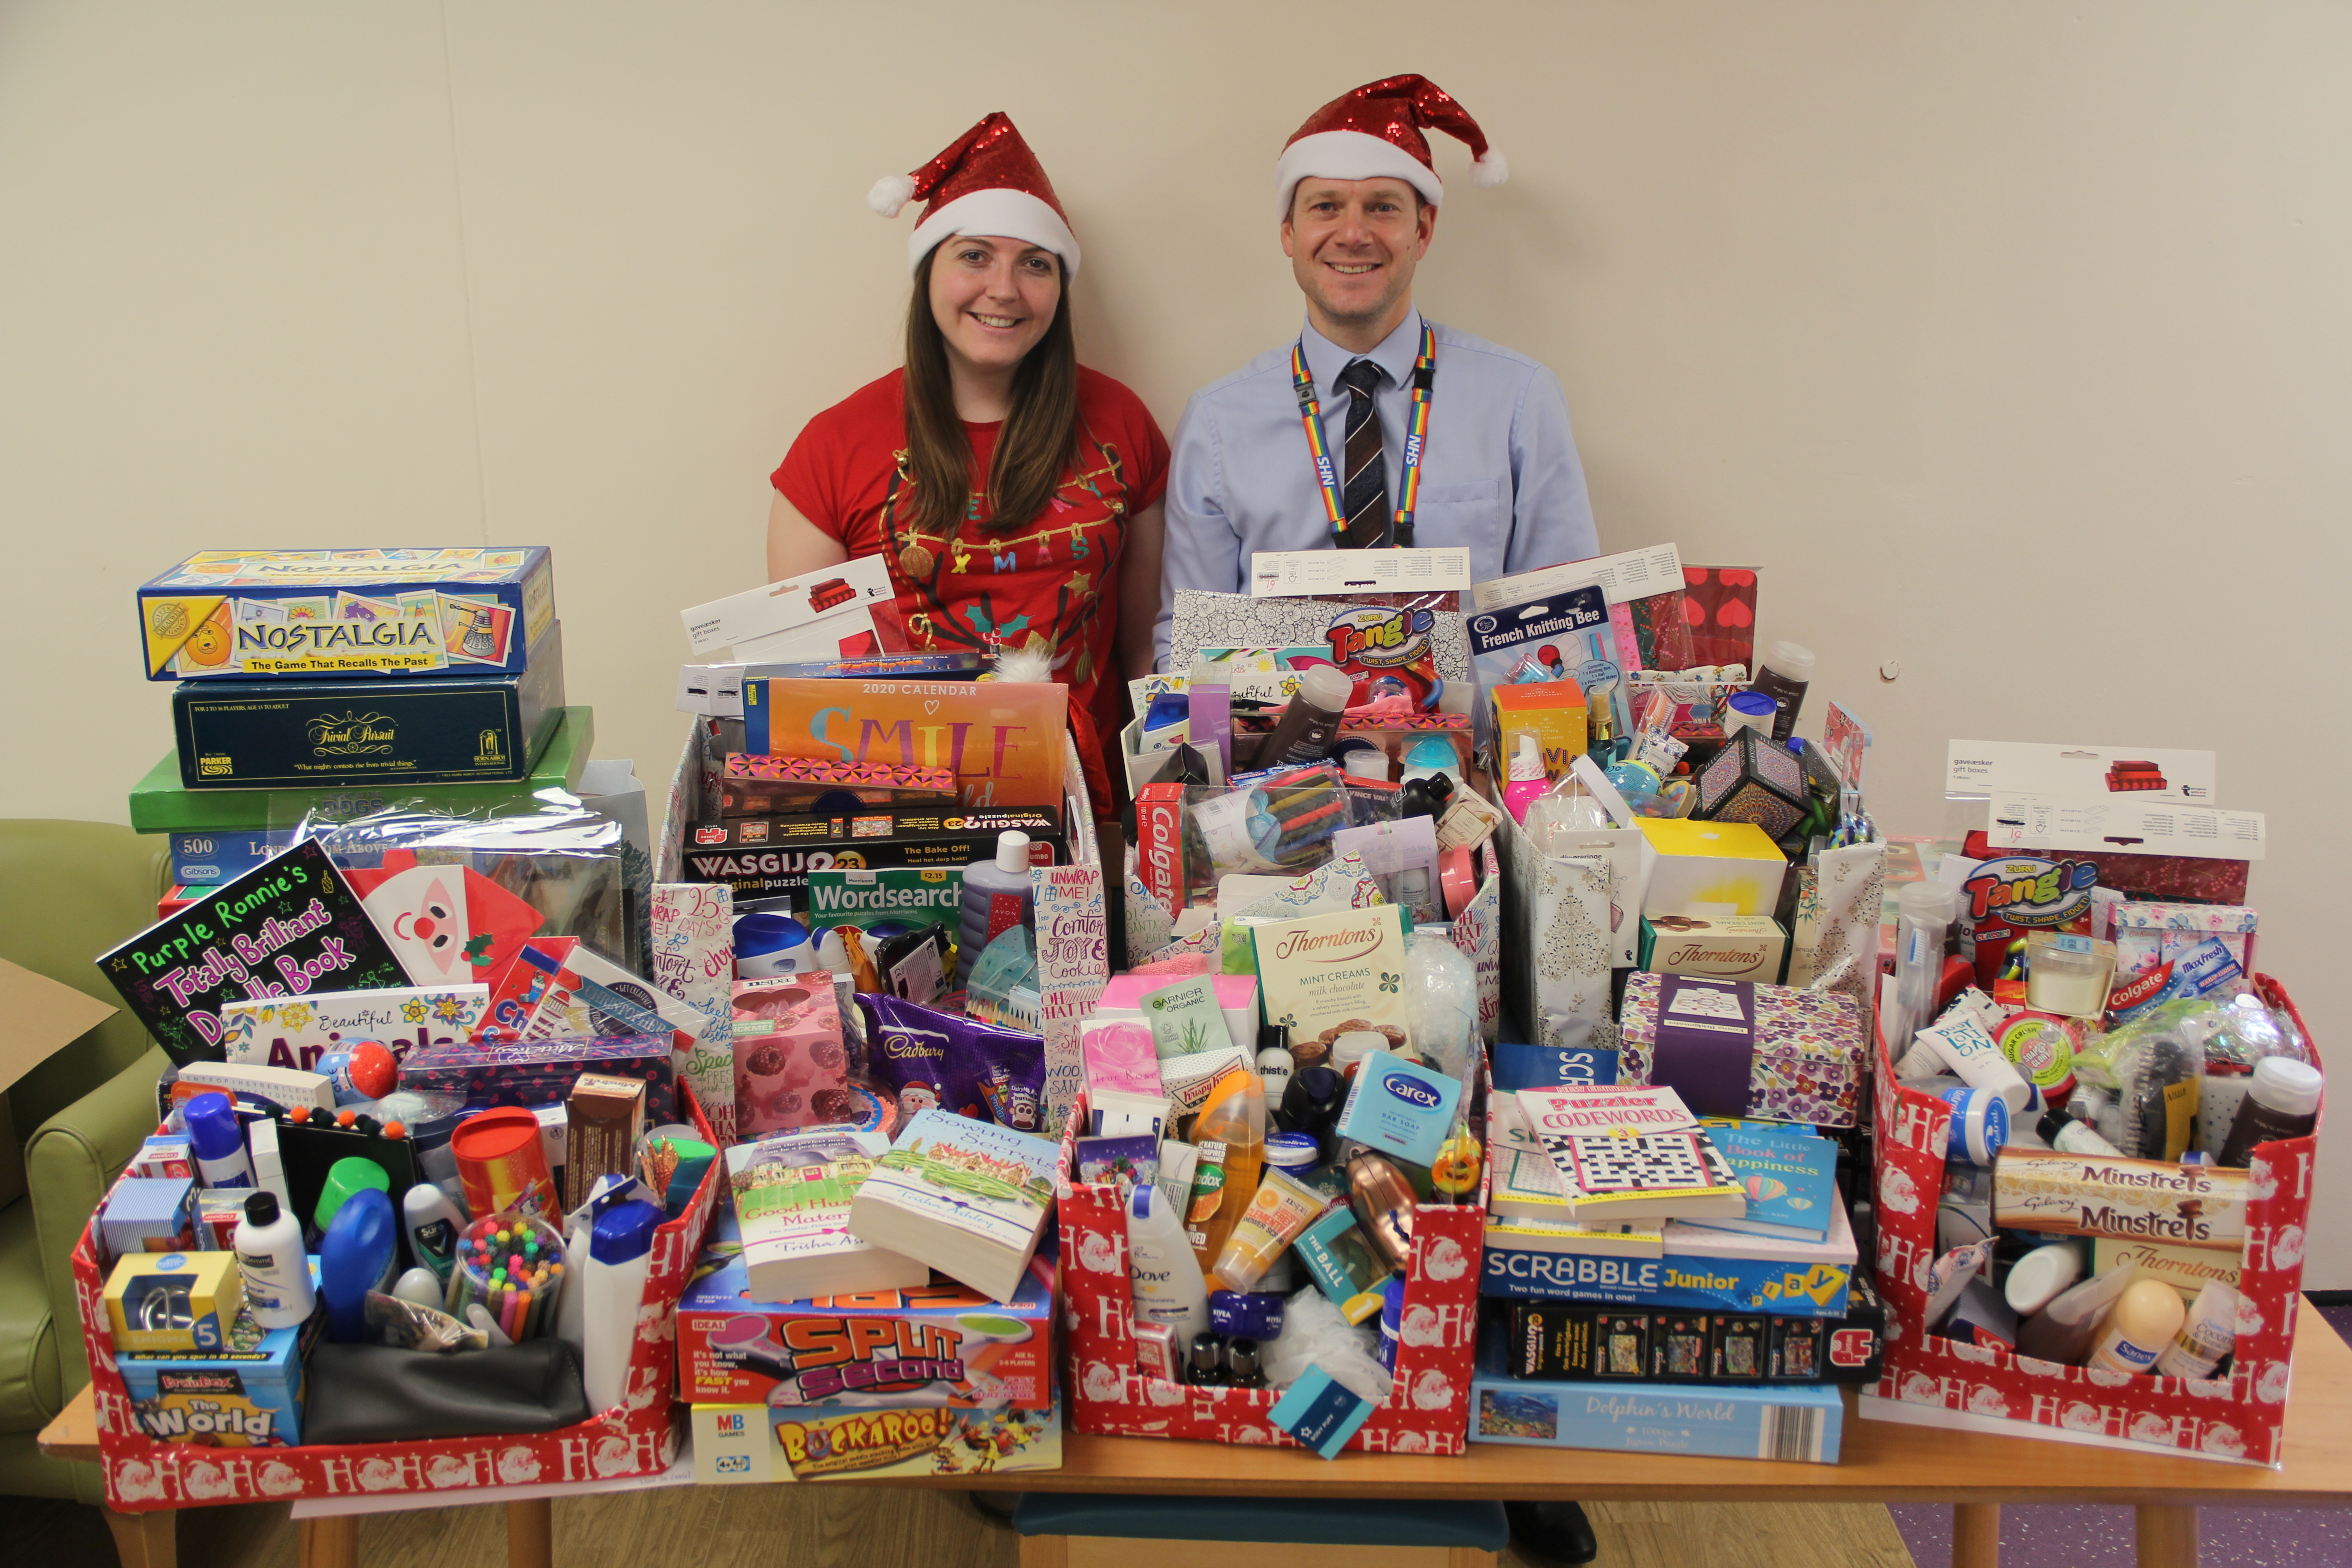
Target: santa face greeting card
(289, 927)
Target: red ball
(374, 1072)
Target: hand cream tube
(1278, 1215)
(1963, 1044)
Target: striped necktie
(1365, 495)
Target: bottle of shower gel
(277, 1272)
(1166, 1281)
(997, 896)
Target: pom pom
(1026, 664)
(891, 192)
(1489, 168)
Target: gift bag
(1833, 939)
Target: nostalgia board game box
(251, 614)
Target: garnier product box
(937, 1345)
(253, 613)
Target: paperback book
(1627, 1154)
(792, 1202)
(968, 1198)
(1790, 1179)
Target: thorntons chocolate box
(261, 734)
(766, 856)
(246, 615)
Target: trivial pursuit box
(253, 613)
(938, 1344)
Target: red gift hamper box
(1934, 1381)
(1427, 1411)
(635, 1438)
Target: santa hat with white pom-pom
(1375, 131)
(986, 181)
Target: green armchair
(76, 889)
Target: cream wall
(2010, 341)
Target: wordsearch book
(1632, 1154)
(791, 1204)
(969, 1198)
(289, 927)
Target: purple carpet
(2094, 1535)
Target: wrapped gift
(1737, 1047)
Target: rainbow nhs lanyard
(1416, 438)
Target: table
(1973, 1472)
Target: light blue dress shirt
(1499, 475)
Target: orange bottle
(1229, 1132)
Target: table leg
(332, 1542)
(2167, 1536)
(145, 1539)
(530, 1533)
(1976, 1535)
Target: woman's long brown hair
(1040, 432)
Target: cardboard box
(173, 1301)
(765, 857)
(1727, 947)
(248, 1396)
(1709, 868)
(208, 859)
(44, 1017)
(734, 1444)
(148, 1213)
(296, 1032)
(1787, 1421)
(542, 1072)
(160, 803)
(261, 734)
(1804, 1048)
(604, 1117)
(229, 614)
(943, 1345)
(1001, 742)
(1579, 1343)
(1700, 1270)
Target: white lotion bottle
(997, 896)
(2146, 1321)
(2209, 1332)
(276, 1270)
(620, 1255)
(1161, 1265)
(435, 1225)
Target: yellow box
(1553, 711)
(169, 1301)
(1708, 867)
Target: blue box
(1320, 1411)
(1400, 1107)
(1553, 1067)
(1786, 1421)
(1705, 1271)
(208, 859)
(148, 1213)
(248, 1398)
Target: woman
(1013, 494)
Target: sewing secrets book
(969, 1198)
(1626, 1153)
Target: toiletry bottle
(997, 896)
(2067, 1133)
(1275, 1062)
(2066, 1329)
(1787, 671)
(1241, 1361)
(1312, 1102)
(362, 1245)
(2206, 1334)
(1924, 915)
(1231, 1134)
(1207, 1367)
(1209, 708)
(2146, 1319)
(571, 1304)
(1309, 720)
(2164, 1089)
(1166, 1281)
(216, 1138)
(2039, 1278)
(1382, 1195)
(434, 1225)
(268, 1242)
(620, 1255)
(1528, 778)
(2284, 1102)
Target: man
(1377, 429)
(1493, 467)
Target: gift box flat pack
(160, 803)
(1802, 1050)
(259, 734)
(1709, 868)
(544, 1071)
(232, 613)
(790, 1071)
(939, 1345)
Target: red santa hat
(1375, 131)
(986, 181)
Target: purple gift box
(541, 1072)
(1740, 1048)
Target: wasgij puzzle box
(225, 614)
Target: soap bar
(1400, 1107)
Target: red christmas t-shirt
(1052, 585)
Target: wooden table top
(1882, 1462)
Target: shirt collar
(1394, 355)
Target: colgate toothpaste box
(1159, 837)
(940, 1344)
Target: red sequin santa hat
(986, 181)
(1375, 131)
